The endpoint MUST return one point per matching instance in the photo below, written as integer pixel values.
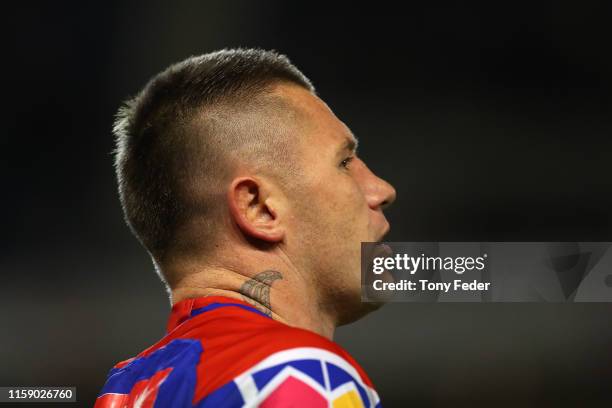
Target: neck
(279, 291)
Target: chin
(358, 310)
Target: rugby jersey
(222, 352)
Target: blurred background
(492, 121)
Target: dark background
(492, 121)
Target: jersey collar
(188, 308)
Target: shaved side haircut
(178, 140)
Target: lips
(380, 223)
(385, 230)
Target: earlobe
(251, 209)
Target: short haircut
(164, 144)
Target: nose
(379, 193)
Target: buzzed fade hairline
(172, 141)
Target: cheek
(349, 207)
(334, 207)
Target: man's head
(234, 150)
(176, 138)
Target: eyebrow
(350, 143)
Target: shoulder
(306, 375)
(232, 357)
(282, 365)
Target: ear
(252, 208)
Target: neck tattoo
(256, 290)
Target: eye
(345, 163)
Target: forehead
(325, 126)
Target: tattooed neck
(256, 290)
